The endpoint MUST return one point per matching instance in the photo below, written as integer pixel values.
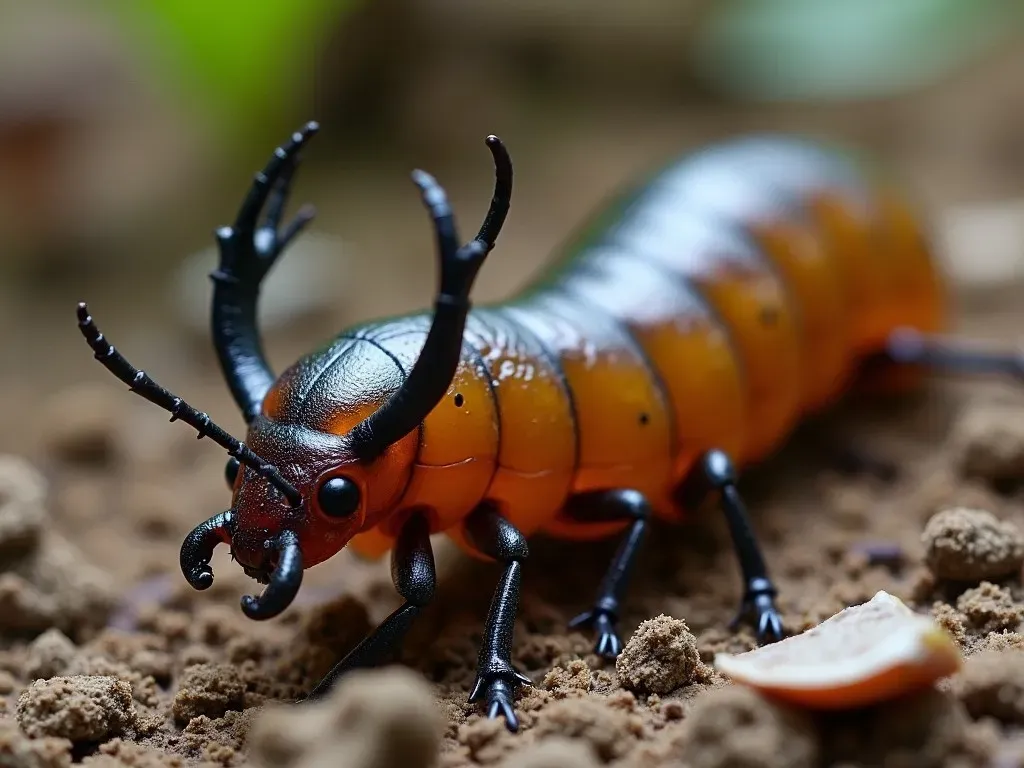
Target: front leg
(412, 570)
(716, 469)
(605, 506)
(496, 679)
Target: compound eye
(338, 497)
(231, 471)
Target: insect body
(697, 320)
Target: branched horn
(247, 253)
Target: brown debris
(80, 708)
(554, 752)
(610, 731)
(208, 689)
(486, 740)
(22, 507)
(971, 544)
(660, 657)
(217, 739)
(386, 718)
(572, 679)
(19, 751)
(733, 727)
(151, 663)
(988, 443)
(992, 685)
(118, 753)
(990, 608)
(925, 730)
(44, 581)
(49, 655)
(1002, 641)
(144, 688)
(951, 621)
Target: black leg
(412, 570)
(911, 347)
(496, 679)
(759, 592)
(604, 506)
(907, 346)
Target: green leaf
(833, 50)
(246, 61)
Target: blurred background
(129, 131)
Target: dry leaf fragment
(862, 655)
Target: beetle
(686, 331)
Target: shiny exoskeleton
(688, 329)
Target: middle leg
(496, 679)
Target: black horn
(284, 581)
(197, 548)
(430, 376)
(247, 252)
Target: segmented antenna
(141, 384)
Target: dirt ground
(132, 667)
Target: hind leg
(909, 347)
(715, 472)
(938, 354)
(607, 506)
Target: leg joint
(719, 469)
(634, 504)
(412, 564)
(418, 592)
(495, 536)
(608, 506)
